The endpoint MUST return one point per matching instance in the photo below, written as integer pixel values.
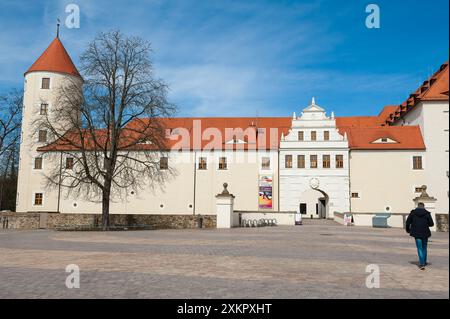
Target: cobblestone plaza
(316, 260)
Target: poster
(265, 192)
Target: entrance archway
(313, 203)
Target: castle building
(314, 163)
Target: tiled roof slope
(363, 138)
(433, 89)
(361, 132)
(55, 59)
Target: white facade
(343, 179)
(433, 119)
(30, 180)
(299, 182)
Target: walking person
(418, 226)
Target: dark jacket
(419, 222)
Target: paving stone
(316, 260)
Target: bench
(380, 220)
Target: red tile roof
(255, 132)
(361, 131)
(55, 59)
(433, 89)
(362, 138)
(358, 121)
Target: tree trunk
(105, 209)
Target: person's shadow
(417, 263)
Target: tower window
(313, 161)
(288, 161)
(38, 199)
(45, 83)
(417, 162)
(38, 163)
(42, 136)
(43, 110)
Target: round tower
(43, 81)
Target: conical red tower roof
(55, 59)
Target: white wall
(176, 194)
(433, 119)
(31, 181)
(384, 178)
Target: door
(322, 208)
(303, 208)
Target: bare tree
(10, 120)
(111, 132)
(10, 123)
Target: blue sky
(248, 58)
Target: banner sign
(265, 192)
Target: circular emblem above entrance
(314, 183)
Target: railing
(258, 222)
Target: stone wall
(442, 222)
(13, 220)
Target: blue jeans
(421, 244)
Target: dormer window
(235, 140)
(384, 140)
(45, 85)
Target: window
(45, 83)
(313, 161)
(288, 161)
(163, 163)
(69, 162)
(202, 163)
(301, 136)
(326, 135)
(222, 163)
(300, 161)
(384, 139)
(38, 198)
(326, 161)
(265, 164)
(355, 195)
(339, 161)
(417, 162)
(38, 163)
(42, 136)
(313, 135)
(418, 190)
(43, 110)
